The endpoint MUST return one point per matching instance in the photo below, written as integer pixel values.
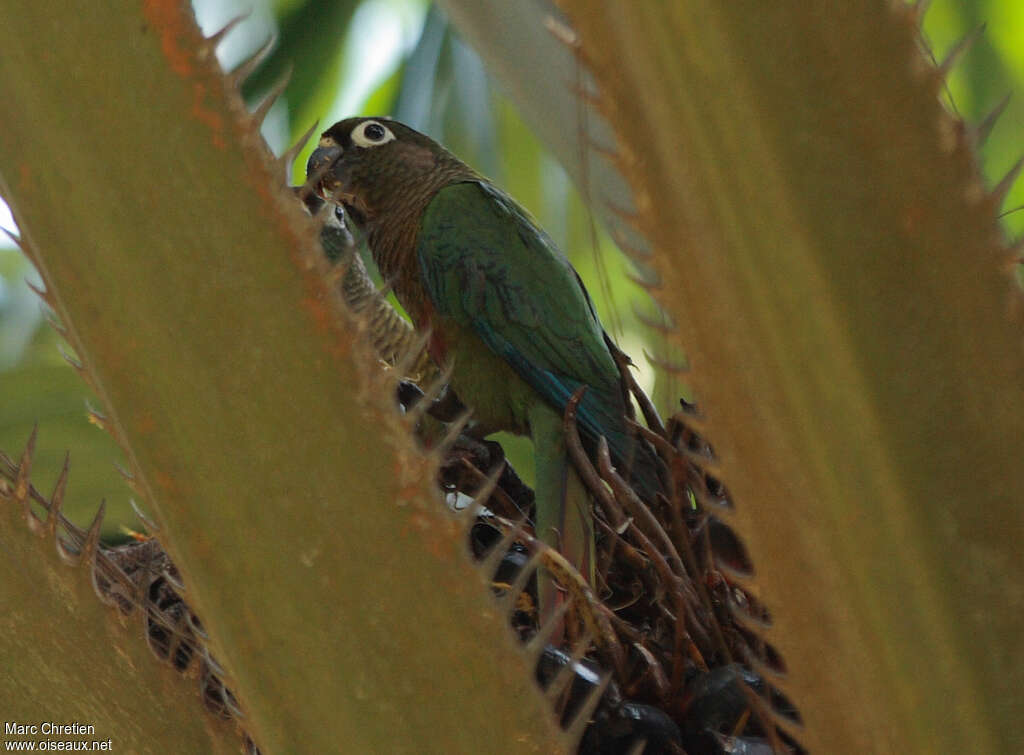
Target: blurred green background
(401, 58)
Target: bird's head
(369, 165)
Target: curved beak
(318, 167)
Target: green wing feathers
(487, 266)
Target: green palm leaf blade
(337, 594)
(845, 295)
(69, 659)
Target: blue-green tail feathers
(600, 413)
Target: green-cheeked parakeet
(499, 301)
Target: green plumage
(501, 302)
(486, 267)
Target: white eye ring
(378, 134)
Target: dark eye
(371, 134)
